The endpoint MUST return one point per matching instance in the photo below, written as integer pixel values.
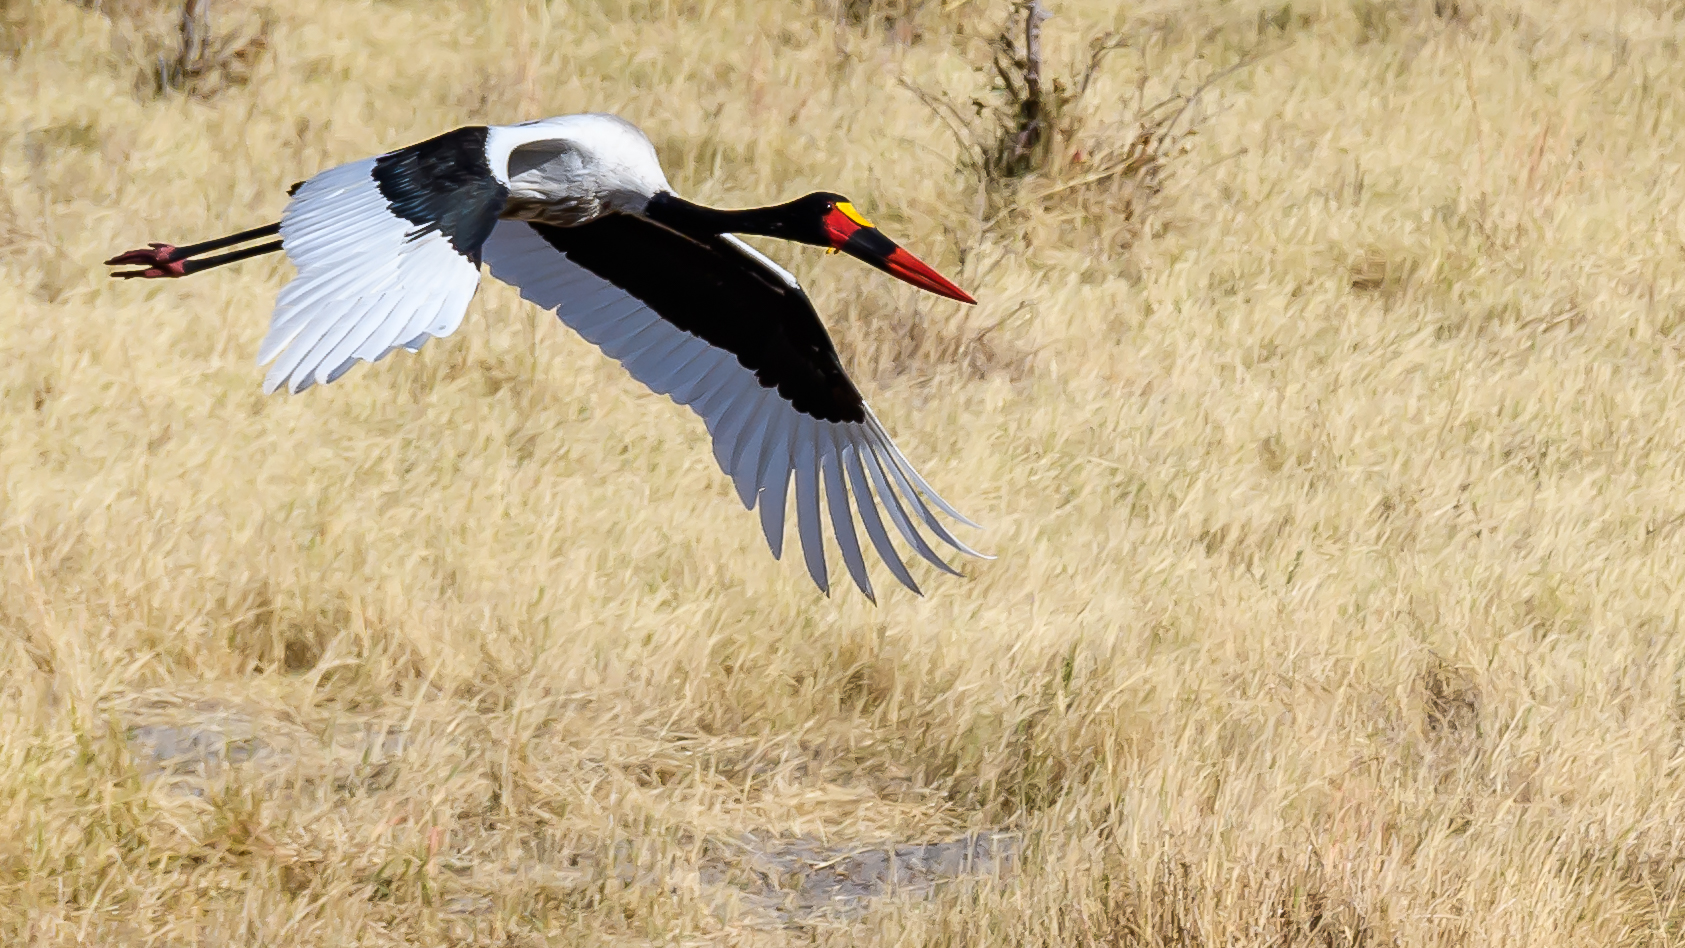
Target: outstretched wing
(715, 325)
(388, 254)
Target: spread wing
(715, 325)
(388, 255)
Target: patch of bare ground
(204, 761)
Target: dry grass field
(1333, 455)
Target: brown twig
(1034, 106)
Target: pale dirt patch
(196, 747)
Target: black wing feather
(715, 291)
(445, 184)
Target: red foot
(157, 260)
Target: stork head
(822, 219)
(830, 220)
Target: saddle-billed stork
(575, 212)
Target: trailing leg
(167, 260)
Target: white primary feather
(806, 458)
(869, 518)
(898, 516)
(746, 456)
(774, 481)
(836, 496)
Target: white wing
(368, 281)
(388, 249)
(760, 439)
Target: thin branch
(1103, 47)
(1034, 106)
(945, 111)
(1199, 90)
(1034, 16)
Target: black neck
(695, 220)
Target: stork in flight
(576, 214)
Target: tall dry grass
(1337, 491)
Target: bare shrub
(1030, 115)
(1030, 140)
(180, 50)
(1019, 120)
(204, 62)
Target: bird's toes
(154, 255)
(151, 273)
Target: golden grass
(1337, 501)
